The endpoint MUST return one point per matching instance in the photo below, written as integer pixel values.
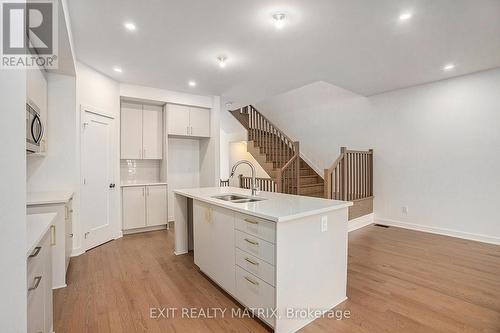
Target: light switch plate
(324, 223)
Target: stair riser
(312, 189)
(310, 180)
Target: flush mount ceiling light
(192, 83)
(130, 26)
(279, 20)
(448, 67)
(405, 16)
(118, 69)
(222, 61)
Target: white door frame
(113, 215)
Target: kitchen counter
(277, 207)
(281, 253)
(129, 184)
(47, 198)
(36, 227)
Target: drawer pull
(255, 283)
(35, 251)
(53, 235)
(251, 261)
(251, 241)
(71, 235)
(251, 221)
(37, 282)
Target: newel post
(343, 151)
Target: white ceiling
(359, 45)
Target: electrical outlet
(404, 210)
(324, 223)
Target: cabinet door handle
(191, 130)
(35, 252)
(251, 241)
(71, 235)
(144, 154)
(187, 129)
(251, 222)
(251, 281)
(252, 262)
(53, 235)
(143, 191)
(37, 283)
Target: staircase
(279, 155)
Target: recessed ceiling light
(279, 20)
(222, 61)
(118, 69)
(130, 26)
(405, 16)
(448, 67)
(192, 83)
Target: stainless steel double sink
(237, 198)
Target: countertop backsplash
(140, 171)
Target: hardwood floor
(398, 281)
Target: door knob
(112, 185)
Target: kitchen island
(282, 256)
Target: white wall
(98, 92)
(237, 152)
(13, 305)
(437, 153)
(57, 170)
(183, 167)
(435, 147)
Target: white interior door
(98, 179)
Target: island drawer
(260, 248)
(256, 266)
(258, 227)
(255, 293)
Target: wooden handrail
(351, 176)
(281, 150)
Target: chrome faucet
(255, 188)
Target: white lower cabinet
(62, 231)
(240, 262)
(214, 243)
(144, 206)
(39, 286)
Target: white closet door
(152, 132)
(156, 205)
(178, 119)
(131, 131)
(134, 207)
(199, 120)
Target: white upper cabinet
(199, 121)
(152, 133)
(188, 121)
(131, 131)
(178, 119)
(141, 131)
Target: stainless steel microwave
(34, 128)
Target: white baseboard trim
(145, 229)
(180, 253)
(360, 222)
(440, 231)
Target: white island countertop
(48, 198)
(277, 207)
(36, 227)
